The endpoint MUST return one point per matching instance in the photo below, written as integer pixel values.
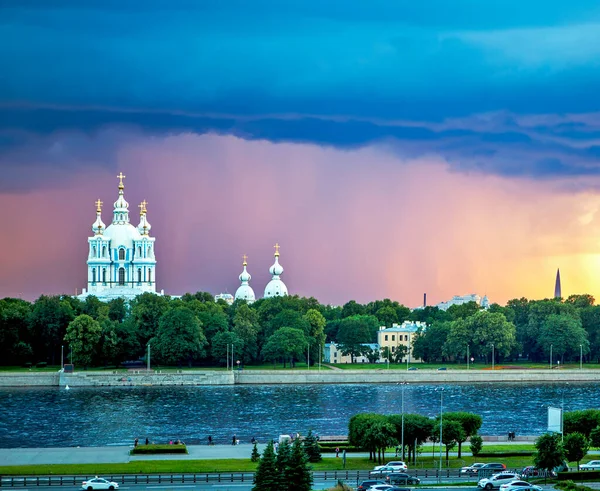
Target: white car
(398, 465)
(498, 480)
(382, 470)
(380, 487)
(98, 483)
(520, 486)
(592, 465)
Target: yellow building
(397, 335)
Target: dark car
(401, 478)
(363, 486)
(441, 369)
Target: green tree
(316, 334)
(267, 477)
(470, 423)
(15, 348)
(452, 433)
(417, 428)
(351, 309)
(582, 421)
(246, 327)
(476, 445)
(549, 452)
(460, 337)
(286, 343)
(576, 447)
(564, 333)
(146, 312)
(354, 332)
(312, 447)
(83, 336)
(581, 301)
(492, 329)
(117, 309)
(179, 337)
(379, 435)
(464, 310)
(428, 343)
(297, 475)
(255, 456)
(221, 347)
(49, 319)
(595, 437)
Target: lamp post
(227, 359)
(308, 358)
(238, 365)
(402, 438)
(407, 358)
(467, 356)
(493, 357)
(581, 357)
(62, 357)
(550, 356)
(441, 425)
(148, 358)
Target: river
(55, 417)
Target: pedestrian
(337, 451)
(397, 450)
(253, 441)
(135, 442)
(147, 441)
(234, 440)
(210, 442)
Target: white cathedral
(121, 261)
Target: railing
(24, 481)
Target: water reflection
(47, 417)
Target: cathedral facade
(121, 261)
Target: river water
(55, 417)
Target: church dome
(121, 234)
(245, 291)
(276, 287)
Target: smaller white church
(121, 261)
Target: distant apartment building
(483, 302)
(332, 354)
(397, 335)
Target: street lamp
(467, 356)
(148, 360)
(441, 424)
(402, 439)
(550, 356)
(238, 365)
(62, 357)
(581, 357)
(493, 357)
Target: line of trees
(377, 432)
(194, 329)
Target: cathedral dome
(121, 234)
(245, 291)
(276, 287)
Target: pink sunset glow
(356, 225)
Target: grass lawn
(455, 366)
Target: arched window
(94, 275)
(104, 275)
(94, 251)
(103, 251)
(139, 275)
(149, 276)
(140, 251)
(121, 276)
(121, 254)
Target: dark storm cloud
(506, 88)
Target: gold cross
(245, 258)
(142, 207)
(121, 177)
(98, 206)
(276, 249)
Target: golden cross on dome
(142, 207)
(276, 249)
(98, 206)
(121, 177)
(245, 258)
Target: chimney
(424, 300)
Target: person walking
(210, 441)
(135, 442)
(337, 451)
(234, 440)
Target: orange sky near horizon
(358, 224)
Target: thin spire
(557, 290)
(276, 249)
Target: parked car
(412, 368)
(386, 487)
(363, 486)
(520, 486)
(381, 471)
(491, 468)
(592, 465)
(98, 483)
(397, 464)
(471, 470)
(497, 480)
(401, 478)
(532, 471)
(442, 369)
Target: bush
(156, 449)
(578, 476)
(476, 445)
(41, 364)
(27, 364)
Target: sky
(390, 148)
